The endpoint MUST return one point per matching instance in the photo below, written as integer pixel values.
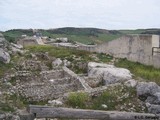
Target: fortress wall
(137, 48)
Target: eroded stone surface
(109, 73)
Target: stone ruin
(47, 85)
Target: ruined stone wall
(25, 43)
(137, 48)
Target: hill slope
(83, 35)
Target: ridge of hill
(82, 35)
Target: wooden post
(51, 112)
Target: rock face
(109, 73)
(4, 56)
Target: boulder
(109, 73)
(4, 56)
(145, 89)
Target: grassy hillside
(13, 35)
(141, 31)
(83, 35)
(138, 31)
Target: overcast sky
(107, 14)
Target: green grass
(104, 58)
(82, 35)
(115, 97)
(6, 108)
(59, 52)
(146, 72)
(13, 35)
(4, 68)
(138, 31)
(77, 100)
(85, 39)
(108, 37)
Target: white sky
(107, 14)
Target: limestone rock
(55, 102)
(131, 83)
(145, 89)
(104, 106)
(16, 50)
(96, 65)
(18, 46)
(66, 63)
(57, 62)
(109, 73)
(4, 56)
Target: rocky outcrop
(145, 89)
(4, 56)
(150, 94)
(109, 73)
